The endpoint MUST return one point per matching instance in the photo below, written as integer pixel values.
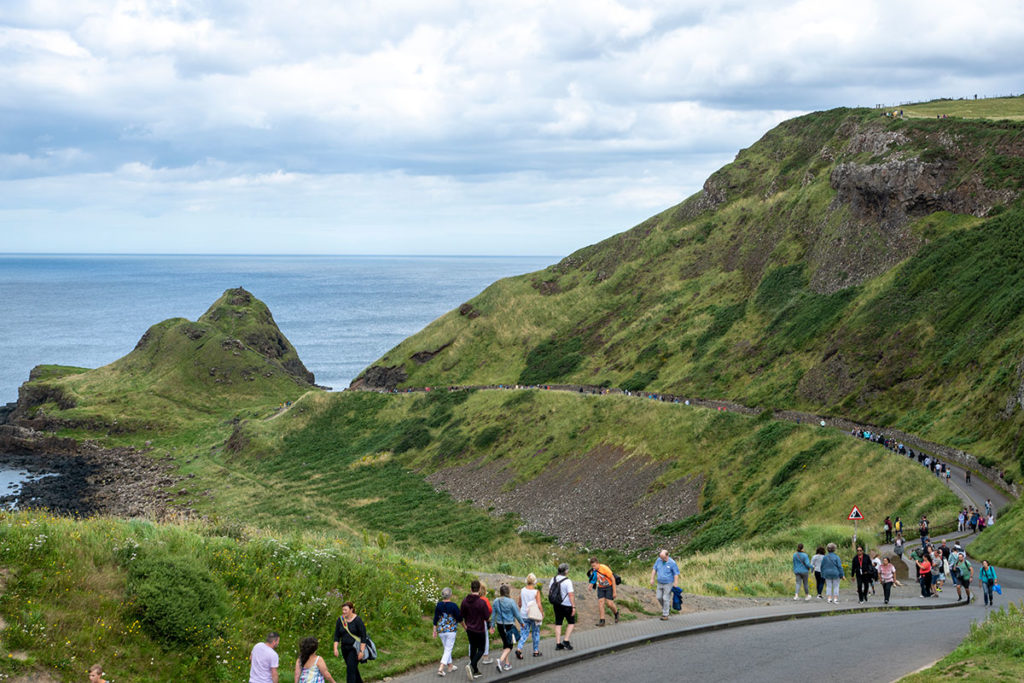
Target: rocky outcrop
(421, 357)
(379, 377)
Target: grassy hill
(181, 379)
(847, 263)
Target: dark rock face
(33, 395)
(468, 311)
(378, 377)
(421, 357)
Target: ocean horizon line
(269, 255)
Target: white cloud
(404, 117)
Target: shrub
(639, 380)
(177, 599)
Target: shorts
(965, 582)
(508, 635)
(563, 613)
(605, 592)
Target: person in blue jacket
(801, 570)
(832, 572)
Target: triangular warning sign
(855, 513)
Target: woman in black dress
(350, 632)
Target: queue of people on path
(974, 520)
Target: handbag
(371, 647)
(998, 589)
(533, 611)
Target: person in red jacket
(475, 615)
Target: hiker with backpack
(561, 596)
(604, 581)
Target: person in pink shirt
(887, 576)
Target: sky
(440, 127)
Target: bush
(639, 380)
(177, 599)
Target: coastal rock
(379, 377)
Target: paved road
(870, 646)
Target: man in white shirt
(564, 610)
(263, 660)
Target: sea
(340, 312)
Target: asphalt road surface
(872, 646)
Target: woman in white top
(310, 667)
(819, 582)
(528, 596)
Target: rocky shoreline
(92, 480)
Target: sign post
(855, 515)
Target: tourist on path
(350, 633)
(862, 568)
(475, 614)
(924, 568)
(887, 576)
(604, 580)
(988, 579)
(897, 546)
(565, 607)
(446, 626)
(506, 615)
(529, 603)
(666, 575)
(263, 660)
(887, 527)
(801, 569)
(487, 634)
(832, 572)
(819, 580)
(965, 573)
(310, 667)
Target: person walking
(529, 603)
(966, 575)
(475, 614)
(863, 570)
(446, 627)
(310, 667)
(801, 568)
(665, 575)
(887, 577)
(564, 601)
(819, 580)
(350, 634)
(897, 546)
(604, 580)
(487, 634)
(988, 579)
(832, 572)
(263, 660)
(506, 616)
(924, 568)
(887, 527)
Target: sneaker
(537, 653)
(819, 597)
(487, 660)
(568, 645)
(477, 675)
(601, 623)
(469, 672)
(796, 597)
(440, 672)
(507, 667)
(559, 646)
(808, 598)
(886, 602)
(519, 654)
(663, 618)
(452, 667)
(499, 666)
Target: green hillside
(182, 375)
(847, 263)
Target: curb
(640, 641)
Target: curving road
(869, 646)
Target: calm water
(341, 313)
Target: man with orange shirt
(604, 581)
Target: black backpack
(555, 591)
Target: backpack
(555, 591)
(618, 579)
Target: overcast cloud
(329, 126)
